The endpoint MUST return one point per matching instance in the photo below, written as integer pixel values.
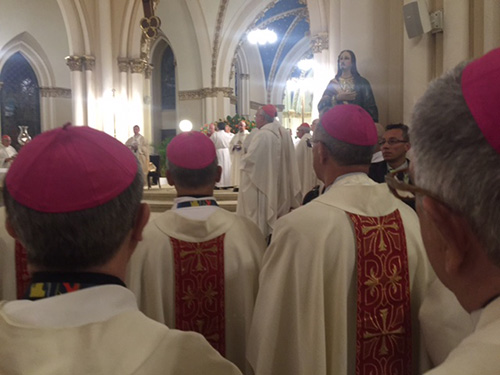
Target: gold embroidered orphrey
(383, 323)
(199, 289)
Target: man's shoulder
(378, 171)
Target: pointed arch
(33, 52)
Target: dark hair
(343, 153)
(76, 240)
(354, 67)
(221, 125)
(193, 178)
(404, 128)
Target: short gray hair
(77, 240)
(343, 153)
(193, 178)
(454, 161)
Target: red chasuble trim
(199, 289)
(22, 276)
(383, 324)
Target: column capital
(88, 62)
(123, 64)
(138, 65)
(148, 71)
(319, 42)
(74, 62)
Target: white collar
(90, 305)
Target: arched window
(168, 79)
(19, 98)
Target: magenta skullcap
(191, 150)
(270, 110)
(481, 91)
(351, 124)
(70, 169)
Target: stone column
(491, 25)
(456, 33)
(77, 89)
(244, 95)
(122, 98)
(136, 102)
(88, 66)
(148, 93)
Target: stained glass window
(168, 79)
(19, 98)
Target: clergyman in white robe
(270, 185)
(236, 151)
(221, 140)
(305, 315)
(152, 275)
(303, 152)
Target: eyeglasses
(391, 142)
(396, 187)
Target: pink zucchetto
(351, 124)
(70, 169)
(191, 150)
(481, 91)
(270, 110)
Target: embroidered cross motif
(199, 289)
(383, 322)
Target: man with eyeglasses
(394, 145)
(456, 146)
(342, 280)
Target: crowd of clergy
(398, 274)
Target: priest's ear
(457, 237)
(170, 178)
(218, 174)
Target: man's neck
(396, 164)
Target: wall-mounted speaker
(416, 17)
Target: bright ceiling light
(262, 36)
(186, 125)
(305, 64)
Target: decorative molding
(319, 42)
(55, 92)
(218, 28)
(190, 94)
(207, 92)
(244, 76)
(123, 64)
(88, 62)
(148, 71)
(138, 65)
(74, 62)
(257, 105)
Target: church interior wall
(399, 69)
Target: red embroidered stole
(383, 324)
(22, 276)
(199, 289)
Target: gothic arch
(76, 27)
(31, 50)
(278, 88)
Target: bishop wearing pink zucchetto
(198, 265)
(270, 184)
(80, 224)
